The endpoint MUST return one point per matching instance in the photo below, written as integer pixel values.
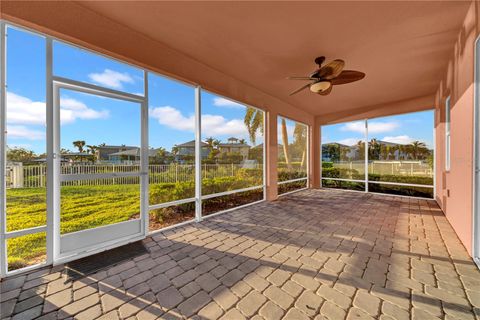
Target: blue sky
(102, 120)
(401, 129)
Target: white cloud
(173, 118)
(72, 109)
(110, 78)
(23, 132)
(212, 125)
(222, 102)
(381, 127)
(24, 111)
(404, 139)
(373, 127)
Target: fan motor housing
(320, 86)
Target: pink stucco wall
(454, 188)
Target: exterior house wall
(454, 188)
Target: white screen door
(99, 160)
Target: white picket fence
(391, 167)
(34, 176)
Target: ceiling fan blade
(326, 92)
(300, 78)
(300, 89)
(331, 69)
(347, 76)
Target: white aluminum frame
(198, 154)
(198, 132)
(367, 181)
(476, 159)
(197, 125)
(226, 193)
(3, 157)
(70, 246)
(4, 235)
(366, 155)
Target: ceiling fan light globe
(320, 86)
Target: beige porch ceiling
(403, 47)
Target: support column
(271, 145)
(315, 155)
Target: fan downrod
(319, 60)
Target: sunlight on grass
(87, 207)
(26, 208)
(26, 250)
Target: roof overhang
(245, 50)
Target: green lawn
(85, 207)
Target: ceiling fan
(324, 78)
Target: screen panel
(343, 156)
(26, 130)
(400, 151)
(232, 145)
(171, 160)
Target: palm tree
(79, 144)
(212, 143)
(374, 149)
(161, 152)
(417, 148)
(242, 141)
(285, 143)
(254, 122)
(175, 150)
(361, 149)
(300, 139)
(91, 148)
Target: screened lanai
(157, 162)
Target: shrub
(326, 164)
(349, 185)
(291, 186)
(401, 190)
(250, 173)
(285, 174)
(342, 173)
(400, 178)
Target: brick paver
(315, 254)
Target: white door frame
(86, 242)
(476, 159)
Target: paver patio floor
(315, 254)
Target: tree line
(416, 150)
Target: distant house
(129, 156)
(71, 157)
(103, 152)
(234, 145)
(188, 149)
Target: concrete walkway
(315, 254)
